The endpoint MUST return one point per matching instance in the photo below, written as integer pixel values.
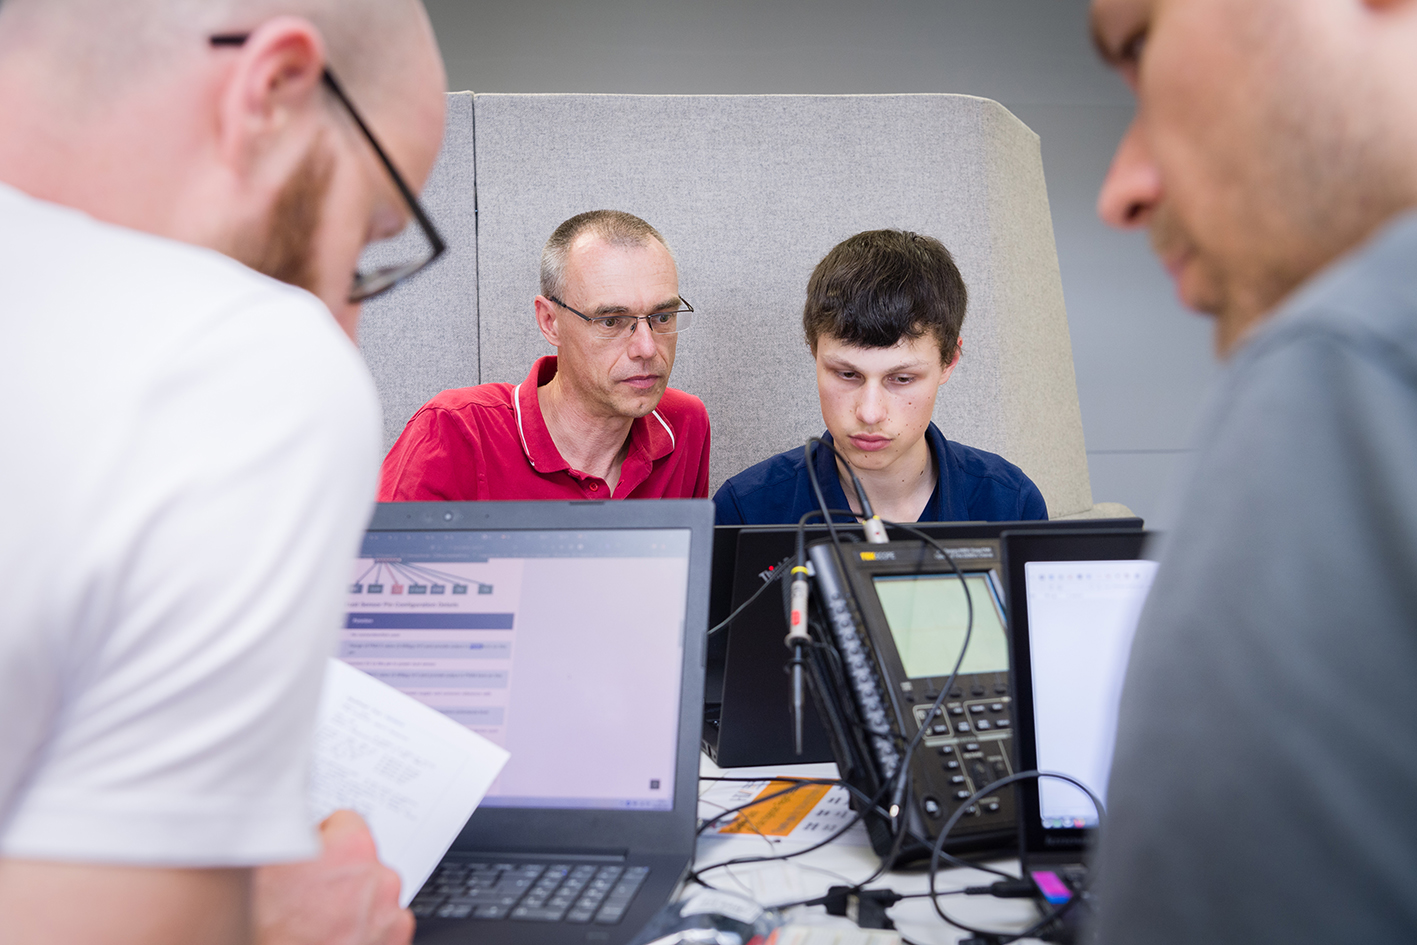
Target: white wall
(1142, 362)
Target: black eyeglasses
(366, 285)
(610, 327)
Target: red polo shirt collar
(651, 436)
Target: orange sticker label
(781, 815)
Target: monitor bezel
(1017, 549)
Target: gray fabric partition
(421, 337)
(751, 191)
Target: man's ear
(273, 88)
(954, 363)
(546, 321)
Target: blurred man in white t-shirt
(191, 449)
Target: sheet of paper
(414, 774)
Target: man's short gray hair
(612, 226)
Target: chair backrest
(751, 191)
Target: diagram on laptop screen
(565, 648)
(441, 632)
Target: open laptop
(1074, 600)
(747, 720)
(572, 634)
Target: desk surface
(843, 862)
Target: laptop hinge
(541, 856)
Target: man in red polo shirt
(598, 419)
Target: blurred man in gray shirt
(1266, 766)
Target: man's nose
(1132, 189)
(871, 406)
(643, 343)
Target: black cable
(862, 499)
(888, 862)
(817, 490)
(901, 776)
(737, 861)
(835, 538)
(815, 512)
(776, 576)
(794, 784)
(938, 846)
(898, 799)
(821, 900)
(695, 875)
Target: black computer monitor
(747, 720)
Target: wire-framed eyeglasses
(366, 285)
(611, 327)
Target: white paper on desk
(411, 772)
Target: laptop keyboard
(533, 892)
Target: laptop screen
(554, 644)
(1081, 616)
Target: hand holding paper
(414, 774)
(345, 897)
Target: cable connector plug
(866, 907)
(797, 622)
(875, 530)
(1005, 889)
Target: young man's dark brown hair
(883, 316)
(880, 286)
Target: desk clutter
(782, 813)
(949, 669)
(966, 686)
(720, 918)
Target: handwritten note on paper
(411, 772)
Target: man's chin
(639, 404)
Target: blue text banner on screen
(397, 621)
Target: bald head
(128, 112)
(376, 47)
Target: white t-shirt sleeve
(244, 480)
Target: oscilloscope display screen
(927, 616)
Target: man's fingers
(389, 885)
(347, 840)
(345, 836)
(401, 930)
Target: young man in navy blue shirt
(882, 319)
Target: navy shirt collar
(935, 509)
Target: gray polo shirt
(1264, 787)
